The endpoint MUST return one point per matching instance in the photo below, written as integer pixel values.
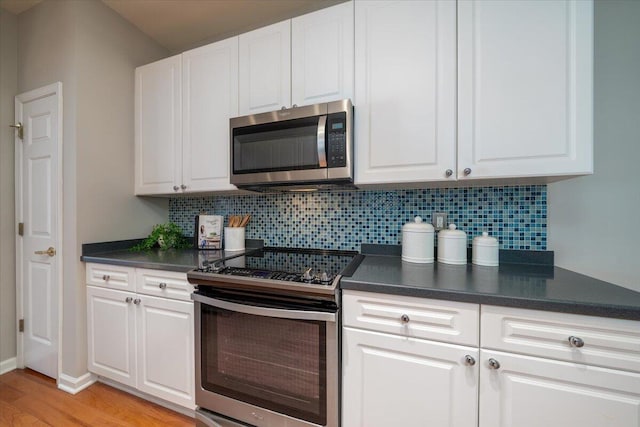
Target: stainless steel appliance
(267, 338)
(295, 148)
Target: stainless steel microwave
(297, 148)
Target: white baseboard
(74, 385)
(8, 365)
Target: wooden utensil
(245, 220)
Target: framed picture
(208, 233)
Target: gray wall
(93, 52)
(593, 220)
(8, 90)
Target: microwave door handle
(265, 311)
(322, 151)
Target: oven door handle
(266, 311)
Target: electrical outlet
(439, 220)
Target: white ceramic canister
(417, 241)
(485, 250)
(452, 246)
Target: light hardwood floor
(28, 398)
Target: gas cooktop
(271, 266)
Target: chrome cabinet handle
(494, 364)
(184, 187)
(404, 319)
(136, 301)
(162, 285)
(106, 277)
(576, 342)
(469, 360)
(176, 188)
(448, 172)
(128, 300)
(467, 171)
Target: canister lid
(418, 226)
(452, 233)
(485, 240)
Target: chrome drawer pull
(162, 285)
(494, 364)
(404, 319)
(106, 277)
(576, 342)
(469, 360)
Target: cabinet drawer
(111, 276)
(606, 342)
(167, 284)
(437, 320)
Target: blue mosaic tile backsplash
(516, 215)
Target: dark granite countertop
(539, 287)
(182, 260)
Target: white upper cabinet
(210, 99)
(525, 88)
(158, 126)
(265, 68)
(517, 74)
(302, 61)
(405, 109)
(183, 106)
(322, 55)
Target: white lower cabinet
(394, 380)
(393, 376)
(527, 391)
(542, 368)
(532, 368)
(142, 341)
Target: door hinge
(21, 229)
(20, 128)
(21, 325)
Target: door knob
(51, 252)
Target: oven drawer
(445, 321)
(612, 343)
(111, 276)
(168, 284)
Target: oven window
(281, 146)
(277, 364)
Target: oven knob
(324, 278)
(307, 276)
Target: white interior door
(38, 194)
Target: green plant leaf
(165, 236)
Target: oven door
(267, 362)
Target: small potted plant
(165, 236)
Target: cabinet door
(322, 55)
(405, 91)
(525, 88)
(210, 99)
(158, 127)
(265, 69)
(391, 380)
(532, 392)
(111, 330)
(166, 349)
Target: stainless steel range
(267, 338)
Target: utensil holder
(234, 238)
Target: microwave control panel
(337, 140)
